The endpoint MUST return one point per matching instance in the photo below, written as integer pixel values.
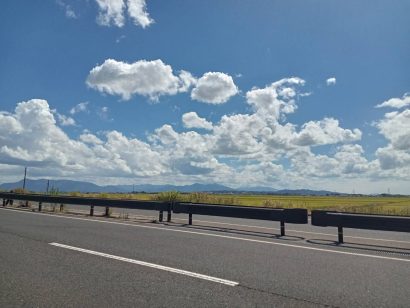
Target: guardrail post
(4, 202)
(190, 219)
(340, 234)
(282, 228)
(161, 216)
(40, 204)
(169, 212)
(107, 211)
(92, 210)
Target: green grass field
(360, 204)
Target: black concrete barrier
(297, 216)
(107, 203)
(360, 221)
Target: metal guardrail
(297, 216)
(107, 203)
(359, 221)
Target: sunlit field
(359, 204)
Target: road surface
(49, 260)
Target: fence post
(340, 234)
(92, 210)
(282, 228)
(40, 206)
(161, 216)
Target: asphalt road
(77, 261)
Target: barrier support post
(92, 210)
(340, 234)
(107, 211)
(4, 202)
(161, 216)
(282, 228)
(190, 219)
(40, 205)
(169, 212)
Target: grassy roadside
(390, 205)
(357, 204)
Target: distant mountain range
(79, 186)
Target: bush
(169, 196)
(20, 190)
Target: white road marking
(277, 229)
(220, 236)
(151, 265)
(298, 231)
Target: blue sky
(336, 60)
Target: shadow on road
(362, 247)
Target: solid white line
(301, 231)
(277, 229)
(222, 236)
(151, 265)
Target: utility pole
(48, 185)
(25, 175)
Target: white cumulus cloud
(192, 120)
(112, 12)
(331, 81)
(147, 78)
(396, 102)
(138, 13)
(326, 131)
(81, 107)
(259, 147)
(214, 88)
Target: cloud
(69, 12)
(192, 120)
(258, 147)
(214, 88)
(90, 138)
(275, 100)
(138, 13)
(394, 158)
(112, 12)
(331, 81)
(81, 107)
(146, 78)
(103, 113)
(396, 102)
(326, 131)
(65, 120)
(395, 127)
(32, 138)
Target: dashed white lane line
(151, 265)
(220, 236)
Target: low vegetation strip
(387, 205)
